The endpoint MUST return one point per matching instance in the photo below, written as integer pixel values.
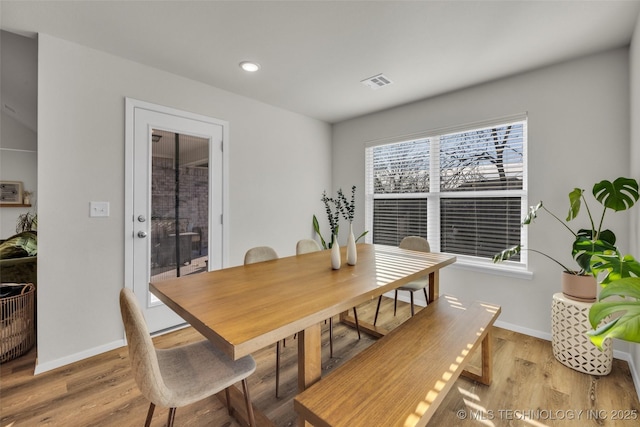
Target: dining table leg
(309, 359)
(434, 285)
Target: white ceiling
(315, 53)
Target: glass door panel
(179, 205)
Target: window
(462, 189)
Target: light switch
(98, 209)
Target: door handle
(142, 234)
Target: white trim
(18, 150)
(226, 236)
(515, 270)
(95, 351)
(133, 107)
(433, 197)
(522, 330)
(129, 138)
(130, 105)
(635, 374)
(617, 354)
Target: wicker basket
(17, 328)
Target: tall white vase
(335, 253)
(352, 253)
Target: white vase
(335, 253)
(352, 253)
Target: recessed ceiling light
(250, 66)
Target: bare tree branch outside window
(474, 168)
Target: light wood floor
(530, 388)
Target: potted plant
(26, 222)
(589, 243)
(334, 216)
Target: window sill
(518, 272)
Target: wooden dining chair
(182, 375)
(309, 245)
(413, 243)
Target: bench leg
(487, 362)
(487, 359)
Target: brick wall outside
(193, 199)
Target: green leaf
(316, 227)
(629, 287)
(618, 195)
(598, 335)
(625, 314)
(532, 214)
(607, 236)
(507, 254)
(625, 327)
(584, 249)
(615, 266)
(364, 233)
(575, 199)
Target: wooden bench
(402, 378)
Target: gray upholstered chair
(261, 254)
(181, 375)
(305, 246)
(309, 245)
(413, 243)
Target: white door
(174, 201)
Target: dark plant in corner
(588, 243)
(26, 222)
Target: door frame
(129, 215)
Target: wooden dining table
(249, 307)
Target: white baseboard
(58, 363)
(54, 364)
(635, 375)
(522, 330)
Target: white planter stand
(571, 345)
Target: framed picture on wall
(11, 192)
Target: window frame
(508, 268)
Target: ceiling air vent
(376, 82)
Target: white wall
(634, 159)
(18, 162)
(578, 134)
(279, 166)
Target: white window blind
(465, 191)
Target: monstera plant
(591, 247)
(618, 195)
(621, 316)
